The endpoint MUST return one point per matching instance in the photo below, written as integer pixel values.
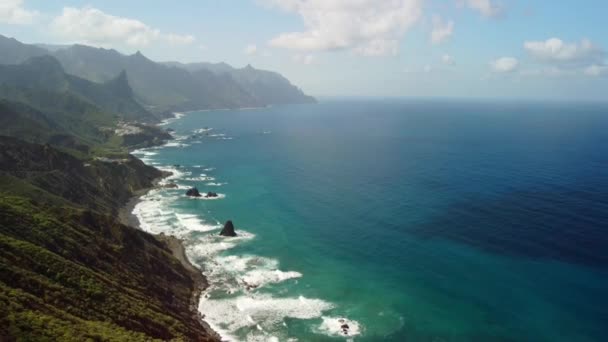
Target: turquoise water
(410, 220)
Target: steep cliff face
(114, 97)
(72, 274)
(101, 184)
(69, 270)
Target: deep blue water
(417, 220)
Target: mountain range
(162, 87)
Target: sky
(535, 49)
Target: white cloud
(251, 49)
(447, 59)
(304, 59)
(557, 51)
(441, 30)
(485, 7)
(92, 26)
(596, 70)
(379, 47)
(504, 64)
(13, 12)
(369, 27)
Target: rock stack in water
(228, 229)
(211, 195)
(193, 192)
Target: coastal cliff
(70, 269)
(73, 264)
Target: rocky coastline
(175, 245)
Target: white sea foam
(230, 304)
(220, 136)
(175, 144)
(233, 304)
(176, 174)
(145, 155)
(215, 184)
(193, 223)
(208, 246)
(177, 116)
(203, 130)
(332, 326)
(258, 278)
(253, 310)
(199, 179)
(253, 272)
(153, 215)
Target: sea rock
(228, 229)
(170, 186)
(211, 195)
(345, 326)
(193, 192)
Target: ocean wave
(254, 272)
(175, 144)
(176, 116)
(234, 304)
(220, 136)
(193, 223)
(215, 184)
(176, 173)
(203, 248)
(146, 154)
(199, 179)
(203, 130)
(262, 314)
(153, 215)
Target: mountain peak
(120, 84)
(138, 54)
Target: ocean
(405, 219)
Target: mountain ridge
(166, 87)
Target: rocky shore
(177, 248)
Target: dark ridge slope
(71, 274)
(162, 87)
(103, 185)
(14, 52)
(69, 270)
(45, 73)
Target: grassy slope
(68, 271)
(71, 274)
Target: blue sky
(452, 48)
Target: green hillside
(69, 270)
